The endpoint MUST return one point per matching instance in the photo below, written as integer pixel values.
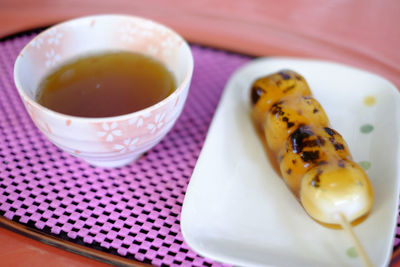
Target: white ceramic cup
(109, 141)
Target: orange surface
(18, 250)
(361, 33)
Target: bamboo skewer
(360, 250)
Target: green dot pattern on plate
(365, 164)
(366, 128)
(352, 252)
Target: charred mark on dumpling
(322, 162)
(288, 123)
(277, 109)
(338, 146)
(302, 138)
(307, 98)
(287, 89)
(299, 137)
(294, 161)
(256, 93)
(341, 163)
(289, 171)
(315, 182)
(310, 143)
(315, 110)
(310, 156)
(329, 131)
(320, 141)
(284, 74)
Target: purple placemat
(132, 211)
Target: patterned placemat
(132, 211)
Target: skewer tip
(357, 244)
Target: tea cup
(107, 141)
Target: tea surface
(106, 85)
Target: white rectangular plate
(237, 210)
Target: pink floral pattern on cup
(111, 141)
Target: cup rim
(177, 91)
